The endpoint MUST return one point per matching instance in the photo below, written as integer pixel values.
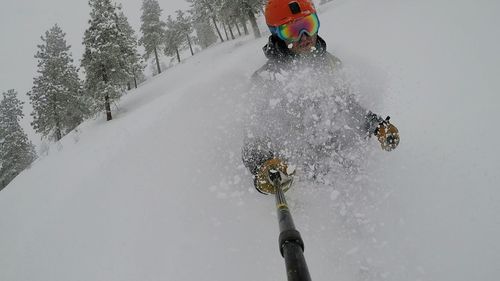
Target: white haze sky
(22, 22)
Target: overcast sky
(22, 22)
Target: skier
(294, 45)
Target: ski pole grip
(290, 236)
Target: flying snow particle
(334, 195)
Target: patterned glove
(387, 134)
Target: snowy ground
(159, 193)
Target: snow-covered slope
(159, 193)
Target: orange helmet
(279, 12)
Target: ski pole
(291, 244)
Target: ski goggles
(291, 32)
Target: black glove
(387, 134)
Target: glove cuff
(372, 122)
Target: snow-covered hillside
(159, 193)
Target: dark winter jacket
(288, 122)
(280, 58)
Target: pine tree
(16, 151)
(205, 35)
(56, 96)
(207, 10)
(174, 38)
(248, 8)
(153, 29)
(252, 7)
(134, 59)
(226, 13)
(185, 26)
(106, 56)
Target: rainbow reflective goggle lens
(291, 32)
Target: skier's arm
(360, 118)
(370, 123)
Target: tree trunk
(107, 106)
(129, 87)
(253, 22)
(225, 31)
(230, 30)
(135, 81)
(237, 27)
(244, 23)
(217, 29)
(157, 61)
(58, 123)
(58, 133)
(177, 53)
(190, 46)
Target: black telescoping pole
(290, 242)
